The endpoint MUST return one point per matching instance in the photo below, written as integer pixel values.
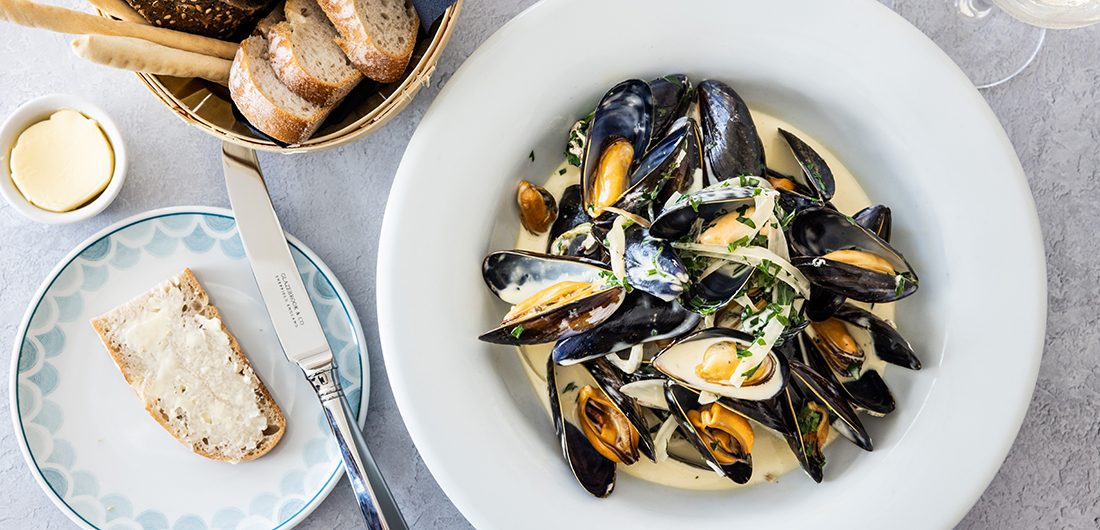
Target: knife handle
(374, 497)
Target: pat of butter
(63, 162)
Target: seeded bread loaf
(220, 19)
(190, 373)
(265, 101)
(306, 58)
(377, 35)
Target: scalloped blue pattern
(62, 302)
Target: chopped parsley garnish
(532, 155)
(743, 241)
(517, 331)
(570, 387)
(573, 159)
(561, 171)
(752, 371)
(695, 202)
(741, 354)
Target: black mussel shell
(611, 379)
(870, 393)
(715, 290)
(672, 95)
(707, 204)
(595, 472)
(626, 112)
(822, 303)
(766, 412)
(876, 219)
(816, 172)
(652, 266)
(570, 214)
(819, 231)
(682, 399)
(818, 388)
(641, 318)
(889, 345)
(732, 144)
(581, 242)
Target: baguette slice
(306, 58)
(190, 373)
(266, 101)
(377, 35)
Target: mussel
(594, 471)
(552, 296)
(723, 437)
(641, 318)
(732, 145)
(843, 257)
(711, 359)
(672, 96)
(618, 137)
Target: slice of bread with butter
(190, 373)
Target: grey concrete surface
(1050, 479)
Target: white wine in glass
(1058, 14)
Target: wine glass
(986, 42)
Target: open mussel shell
(516, 275)
(732, 145)
(570, 233)
(652, 266)
(679, 361)
(641, 318)
(707, 204)
(681, 400)
(672, 95)
(669, 167)
(624, 114)
(817, 232)
(611, 379)
(888, 344)
(815, 172)
(868, 392)
(818, 388)
(595, 472)
(876, 219)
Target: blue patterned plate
(89, 441)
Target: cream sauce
(771, 455)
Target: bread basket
(207, 105)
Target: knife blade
(298, 329)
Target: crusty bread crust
(287, 59)
(360, 46)
(130, 370)
(261, 109)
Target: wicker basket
(207, 105)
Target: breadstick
(120, 9)
(61, 20)
(143, 56)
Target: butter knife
(298, 329)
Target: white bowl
(40, 109)
(850, 74)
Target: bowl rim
(40, 109)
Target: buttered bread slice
(190, 373)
